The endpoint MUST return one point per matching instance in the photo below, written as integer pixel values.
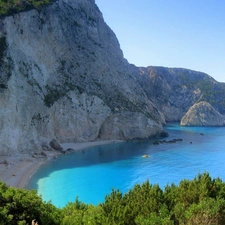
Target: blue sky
(171, 33)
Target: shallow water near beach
(92, 175)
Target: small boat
(145, 156)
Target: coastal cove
(92, 173)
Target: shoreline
(16, 170)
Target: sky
(172, 33)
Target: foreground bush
(200, 201)
(19, 206)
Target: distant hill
(175, 90)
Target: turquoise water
(92, 175)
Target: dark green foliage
(3, 47)
(10, 7)
(141, 202)
(19, 206)
(52, 96)
(200, 201)
(55, 94)
(189, 203)
(78, 213)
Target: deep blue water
(92, 175)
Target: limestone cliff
(175, 90)
(202, 114)
(63, 76)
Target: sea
(91, 174)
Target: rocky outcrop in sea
(202, 114)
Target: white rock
(202, 114)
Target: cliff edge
(63, 76)
(175, 90)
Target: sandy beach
(16, 170)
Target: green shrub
(198, 201)
(10, 7)
(20, 206)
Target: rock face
(63, 76)
(170, 95)
(175, 90)
(202, 114)
(128, 126)
(55, 145)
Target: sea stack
(202, 114)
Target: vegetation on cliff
(213, 92)
(199, 201)
(9, 7)
(175, 90)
